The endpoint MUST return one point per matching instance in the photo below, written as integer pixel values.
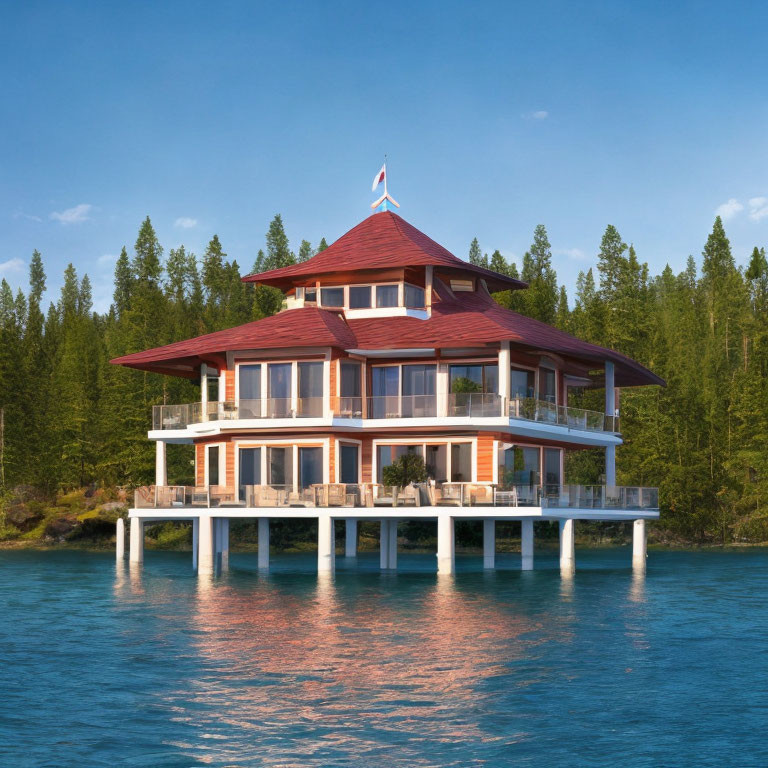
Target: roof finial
(381, 203)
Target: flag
(379, 177)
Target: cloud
(572, 253)
(758, 208)
(27, 216)
(13, 265)
(540, 114)
(107, 258)
(73, 215)
(729, 210)
(185, 222)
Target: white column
(120, 539)
(610, 409)
(204, 391)
(263, 542)
(205, 558)
(325, 544)
(392, 558)
(350, 539)
(428, 277)
(195, 541)
(610, 466)
(137, 540)
(224, 547)
(489, 544)
(526, 544)
(639, 544)
(446, 559)
(161, 468)
(567, 549)
(504, 372)
(384, 544)
(441, 387)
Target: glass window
(522, 383)
(349, 464)
(332, 297)
(359, 296)
(386, 295)
(279, 384)
(389, 454)
(520, 466)
(414, 296)
(299, 294)
(350, 379)
(310, 296)
(249, 382)
(552, 466)
(213, 465)
(310, 389)
(250, 468)
(461, 462)
(436, 463)
(277, 466)
(474, 378)
(385, 381)
(310, 466)
(419, 390)
(547, 385)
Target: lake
(104, 666)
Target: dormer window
(387, 295)
(332, 297)
(310, 296)
(359, 296)
(414, 297)
(462, 285)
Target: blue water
(105, 666)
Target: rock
(113, 506)
(61, 526)
(23, 516)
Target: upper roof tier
(382, 241)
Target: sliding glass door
(279, 390)
(310, 389)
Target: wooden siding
(200, 464)
(229, 472)
(334, 378)
(485, 458)
(332, 459)
(229, 385)
(366, 452)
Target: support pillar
(161, 464)
(350, 538)
(205, 559)
(610, 409)
(526, 545)
(639, 545)
(489, 544)
(392, 547)
(325, 544)
(446, 556)
(384, 544)
(120, 539)
(610, 466)
(567, 548)
(137, 540)
(195, 541)
(224, 546)
(263, 543)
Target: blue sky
(212, 117)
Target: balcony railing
(457, 404)
(587, 497)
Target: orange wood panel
(484, 458)
(334, 378)
(200, 464)
(367, 459)
(229, 385)
(332, 460)
(229, 473)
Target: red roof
(382, 241)
(465, 320)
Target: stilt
(489, 544)
(195, 541)
(224, 547)
(120, 539)
(384, 544)
(161, 468)
(446, 559)
(137, 540)
(263, 543)
(350, 539)
(639, 545)
(392, 546)
(206, 559)
(325, 543)
(567, 550)
(526, 545)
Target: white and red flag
(379, 177)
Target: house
(388, 345)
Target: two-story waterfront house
(388, 344)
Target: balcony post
(504, 374)
(446, 556)
(384, 544)
(392, 559)
(161, 464)
(120, 540)
(567, 549)
(204, 392)
(136, 554)
(526, 544)
(325, 544)
(206, 559)
(224, 545)
(350, 539)
(263, 544)
(195, 541)
(639, 545)
(489, 544)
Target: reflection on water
(156, 667)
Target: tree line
(70, 419)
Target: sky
(494, 117)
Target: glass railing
(582, 497)
(530, 409)
(180, 416)
(474, 404)
(402, 406)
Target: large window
(279, 385)
(279, 466)
(213, 465)
(310, 389)
(419, 390)
(476, 377)
(461, 462)
(519, 466)
(310, 466)
(332, 297)
(385, 388)
(414, 296)
(249, 390)
(522, 383)
(547, 385)
(350, 379)
(359, 296)
(249, 469)
(349, 463)
(387, 295)
(389, 454)
(552, 475)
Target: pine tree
(498, 263)
(540, 299)
(323, 245)
(278, 252)
(306, 251)
(475, 254)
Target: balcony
(454, 405)
(366, 495)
